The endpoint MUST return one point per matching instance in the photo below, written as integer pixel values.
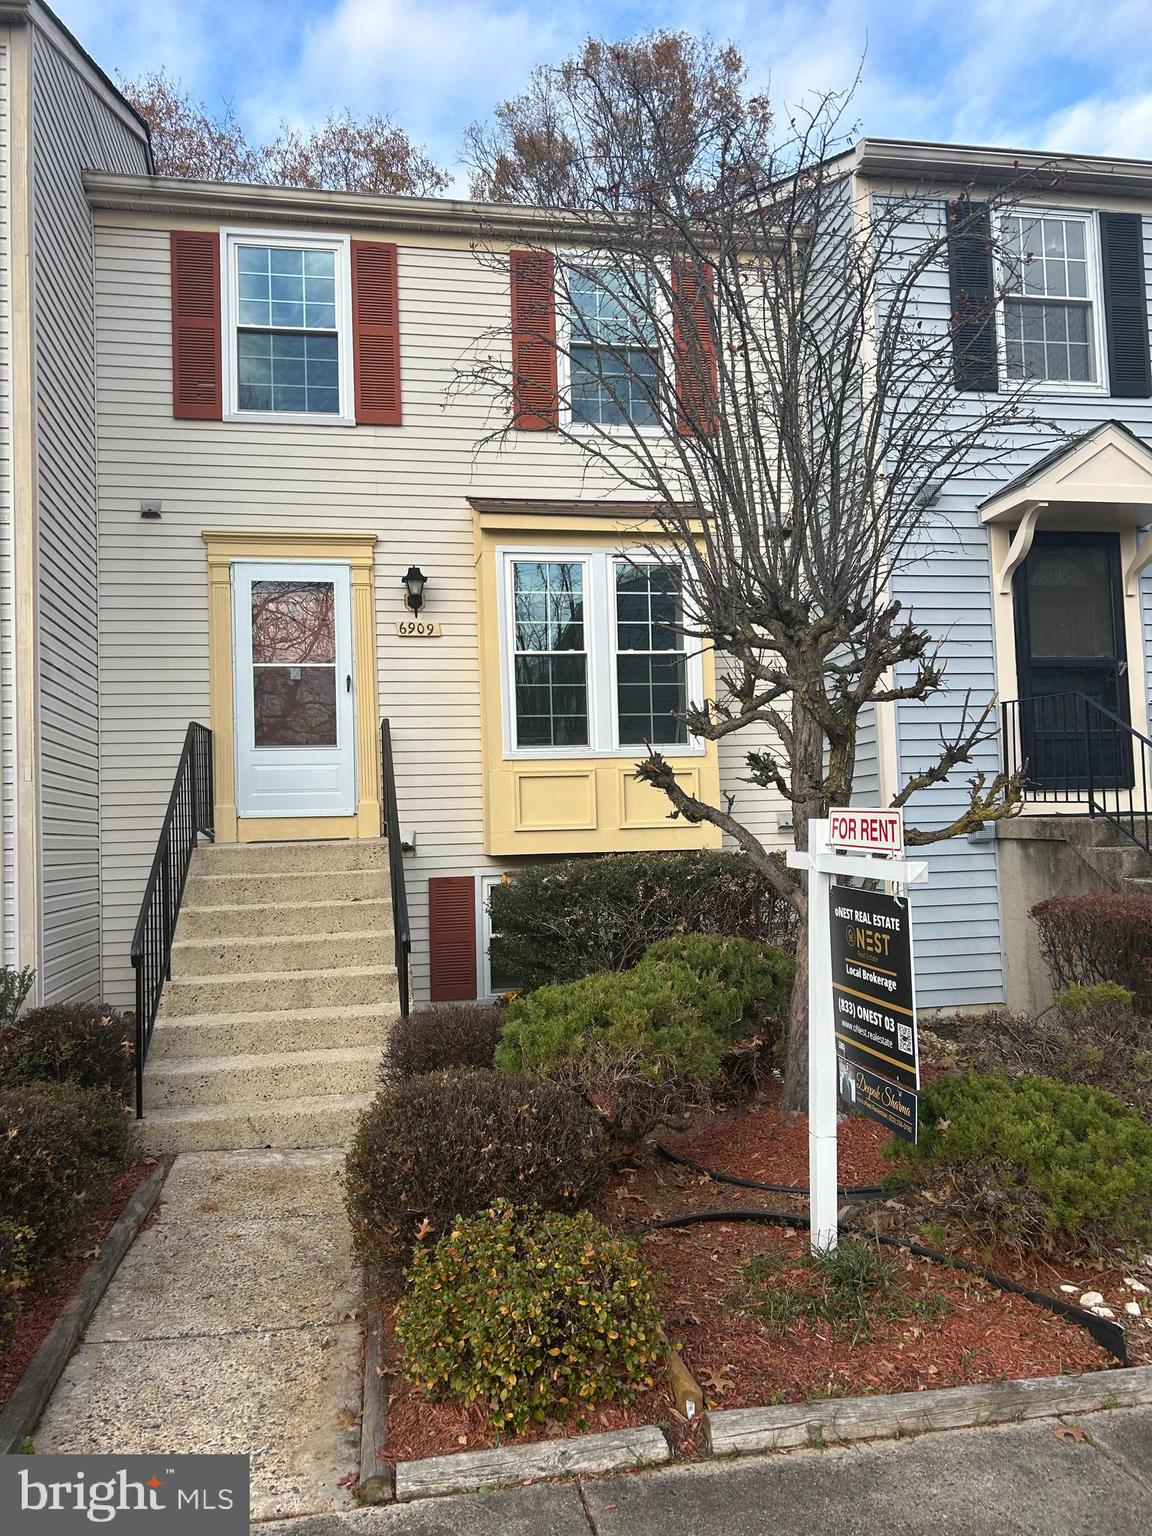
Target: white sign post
(868, 845)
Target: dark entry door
(1070, 646)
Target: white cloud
(1103, 126)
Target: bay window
(595, 656)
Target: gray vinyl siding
(948, 588)
(408, 485)
(72, 130)
(866, 778)
(7, 683)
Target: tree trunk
(807, 776)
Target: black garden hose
(1109, 1335)
(855, 1191)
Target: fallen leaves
(1069, 1433)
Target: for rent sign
(867, 831)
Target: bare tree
(790, 340)
(188, 139)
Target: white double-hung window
(1052, 301)
(596, 657)
(288, 349)
(613, 350)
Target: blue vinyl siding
(948, 588)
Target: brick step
(297, 952)
(268, 991)
(191, 1081)
(300, 1029)
(271, 920)
(326, 1121)
(290, 858)
(277, 887)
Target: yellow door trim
(224, 546)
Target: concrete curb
(741, 1431)
(620, 1450)
(32, 1391)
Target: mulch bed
(956, 1329)
(52, 1289)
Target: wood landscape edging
(31, 1393)
(744, 1431)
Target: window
(614, 352)
(490, 981)
(1051, 302)
(649, 654)
(287, 327)
(596, 656)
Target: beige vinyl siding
(7, 680)
(408, 485)
(73, 129)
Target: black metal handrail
(390, 826)
(1074, 750)
(190, 815)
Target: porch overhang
(1099, 481)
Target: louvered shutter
(452, 938)
(196, 389)
(534, 403)
(973, 289)
(695, 351)
(1125, 304)
(376, 333)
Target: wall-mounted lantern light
(414, 580)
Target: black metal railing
(188, 818)
(390, 826)
(1074, 750)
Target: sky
(1071, 75)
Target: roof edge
(988, 164)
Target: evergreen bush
(85, 1043)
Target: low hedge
(438, 1038)
(15, 1242)
(1036, 1162)
(645, 1044)
(574, 917)
(61, 1146)
(429, 1149)
(85, 1043)
(530, 1317)
(1106, 936)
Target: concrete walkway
(1018, 1480)
(230, 1326)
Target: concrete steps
(282, 993)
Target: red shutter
(534, 403)
(695, 349)
(376, 333)
(196, 391)
(452, 938)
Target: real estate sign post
(859, 983)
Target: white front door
(295, 714)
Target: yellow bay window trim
(356, 549)
(582, 802)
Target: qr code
(904, 1038)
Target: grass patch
(853, 1290)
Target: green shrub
(429, 1149)
(85, 1043)
(434, 1039)
(529, 1317)
(60, 1148)
(1106, 936)
(573, 917)
(14, 988)
(646, 1044)
(1091, 1035)
(15, 1241)
(1035, 1161)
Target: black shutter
(973, 289)
(1125, 304)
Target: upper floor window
(596, 653)
(1052, 304)
(613, 351)
(288, 333)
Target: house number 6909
(416, 629)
